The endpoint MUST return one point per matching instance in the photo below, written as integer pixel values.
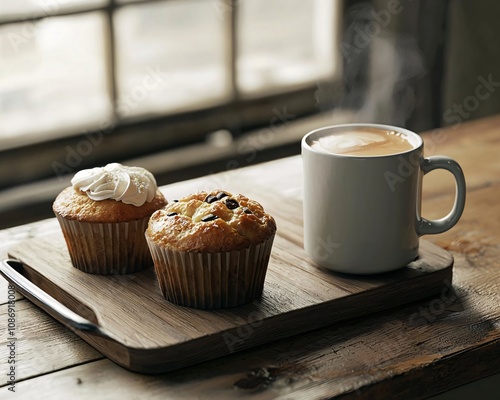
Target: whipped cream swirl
(130, 185)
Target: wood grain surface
(152, 335)
(408, 352)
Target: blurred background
(190, 87)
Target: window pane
(170, 56)
(53, 79)
(17, 9)
(285, 42)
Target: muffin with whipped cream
(211, 250)
(103, 216)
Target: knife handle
(10, 270)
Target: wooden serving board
(152, 335)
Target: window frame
(239, 114)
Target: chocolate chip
(232, 204)
(175, 201)
(247, 210)
(209, 217)
(221, 195)
(210, 199)
(171, 214)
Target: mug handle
(429, 227)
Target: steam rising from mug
(379, 72)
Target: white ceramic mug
(362, 214)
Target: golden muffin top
(211, 222)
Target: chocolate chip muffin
(211, 250)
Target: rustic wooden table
(412, 351)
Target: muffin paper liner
(107, 248)
(211, 280)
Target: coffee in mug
(364, 142)
(362, 197)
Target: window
(68, 64)
(87, 82)
(283, 43)
(180, 47)
(53, 77)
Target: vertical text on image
(11, 339)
